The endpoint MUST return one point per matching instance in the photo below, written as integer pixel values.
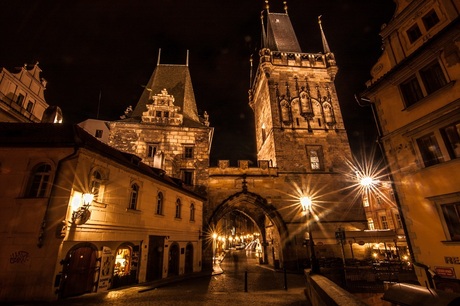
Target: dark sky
(88, 47)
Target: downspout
(58, 168)
(428, 272)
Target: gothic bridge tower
(302, 150)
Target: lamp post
(214, 237)
(307, 203)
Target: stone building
(79, 216)
(164, 128)
(415, 93)
(302, 151)
(22, 96)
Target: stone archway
(266, 218)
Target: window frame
(192, 212)
(98, 133)
(152, 149)
(97, 184)
(134, 196)
(178, 212)
(319, 155)
(160, 204)
(189, 152)
(441, 202)
(413, 33)
(188, 176)
(428, 21)
(429, 156)
(452, 145)
(42, 178)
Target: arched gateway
(265, 217)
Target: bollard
(245, 281)
(285, 279)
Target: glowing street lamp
(307, 203)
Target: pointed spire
(323, 37)
(159, 55)
(285, 7)
(264, 35)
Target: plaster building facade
(415, 93)
(79, 216)
(22, 96)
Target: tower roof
(280, 34)
(177, 81)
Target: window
(98, 133)
(122, 261)
(158, 114)
(133, 196)
(451, 136)
(433, 77)
(411, 91)
(96, 185)
(151, 150)
(398, 221)
(159, 203)
(192, 212)
(20, 99)
(430, 20)
(429, 150)
(315, 156)
(384, 221)
(166, 114)
(39, 181)
(187, 177)
(451, 214)
(413, 33)
(366, 201)
(30, 106)
(178, 209)
(188, 152)
(370, 224)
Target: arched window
(96, 185)
(192, 212)
(178, 208)
(39, 181)
(133, 196)
(159, 203)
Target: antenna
(186, 62)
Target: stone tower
(302, 150)
(165, 130)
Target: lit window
(429, 150)
(39, 181)
(160, 203)
(366, 201)
(451, 214)
(188, 152)
(370, 224)
(192, 212)
(98, 133)
(414, 33)
(383, 220)
(187, 177)
(133, 196)
(178, 209)
(96, 185)
(122, 262)
(451, 135)
(433, 77)
(315, 156)
(430, 20)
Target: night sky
(100, 50)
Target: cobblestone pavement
(263, 287)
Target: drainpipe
(58, 168)
(429, 273)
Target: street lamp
(214, 237)
(307, 203)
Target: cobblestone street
(264, 287)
